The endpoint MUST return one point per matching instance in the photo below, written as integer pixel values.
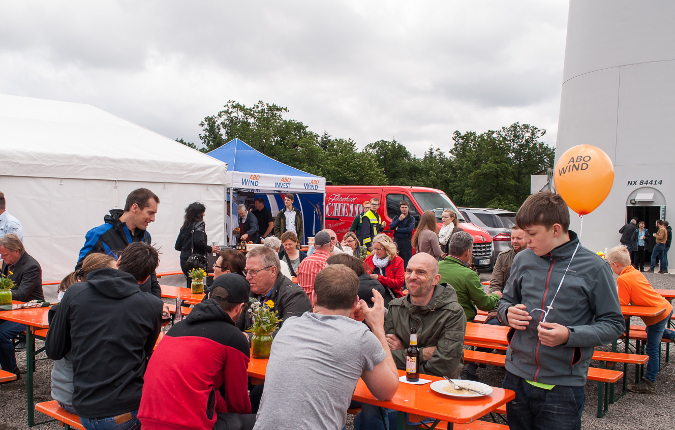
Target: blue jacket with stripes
(111, 238)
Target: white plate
(483, 262)
(438, 387)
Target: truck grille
(482, 249)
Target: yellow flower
(270, 304)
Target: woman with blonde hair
(425, 238)
(62, 373)
(386, 266)
(450, 227)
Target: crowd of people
(349, 317)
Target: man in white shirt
(289, 219)
(8, 223)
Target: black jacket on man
(110, 327)
(250, 227)
(627, 233)
(290, 300)
(111, 238)
(27, 276)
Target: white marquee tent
(63, 166)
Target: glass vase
(5, 297)
(197, 286)
(261, 345)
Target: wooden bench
(55, 411)
(602, 376)
(6, 376)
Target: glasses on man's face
(333, 238)
(254, 272)
(216, 266)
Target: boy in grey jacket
(561, 302)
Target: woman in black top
(192, 237)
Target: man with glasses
(263, 273)
(336, 247)
(371, 224)
(314, 263)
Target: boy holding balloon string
(561, 302)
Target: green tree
(493, 169)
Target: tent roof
(46, 138)
(240, 157)
(250, 169)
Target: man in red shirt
(313, 264)
(197, 377)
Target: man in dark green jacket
(454, 270)
(432, 308)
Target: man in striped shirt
(313, 264)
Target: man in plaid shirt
(313, 264)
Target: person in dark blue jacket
(123, 227)
(403, 227)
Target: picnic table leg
(627, 351)
(402, 422)
(30, 363)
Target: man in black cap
(197, 376)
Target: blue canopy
(240, 157)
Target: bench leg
(30, 368)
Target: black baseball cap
(230, 287)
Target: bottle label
(411, 364)
(413, 339)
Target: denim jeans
(533, 408)
(110, 424)
(657, 252)
(8, 331)
(376, 418)
(654, 334)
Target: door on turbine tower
(646, 204)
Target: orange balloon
(583, 177)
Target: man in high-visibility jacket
(371, 224)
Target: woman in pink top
(425, 238)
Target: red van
(343, 203)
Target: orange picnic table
(666, 294)
(185, 294)
(420, 400)
(34, 319)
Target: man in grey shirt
(318, 358)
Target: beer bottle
(412, 359)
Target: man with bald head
(431, 308)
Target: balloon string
(550, 307)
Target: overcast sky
(366, 70)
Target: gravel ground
(633, 411)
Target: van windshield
(436, 202)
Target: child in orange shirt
(634, 289)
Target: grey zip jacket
(587, 304)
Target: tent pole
(231, 232)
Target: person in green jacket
(454, 270)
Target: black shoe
(17, 372)
(20, 346)
(465, 375)
(643, 387)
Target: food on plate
(448, 388)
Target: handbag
(195, 261)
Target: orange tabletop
(185, 294)
(666, 294)
(33, 317)
(641, 311)
(486, 333)
(420, 399)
